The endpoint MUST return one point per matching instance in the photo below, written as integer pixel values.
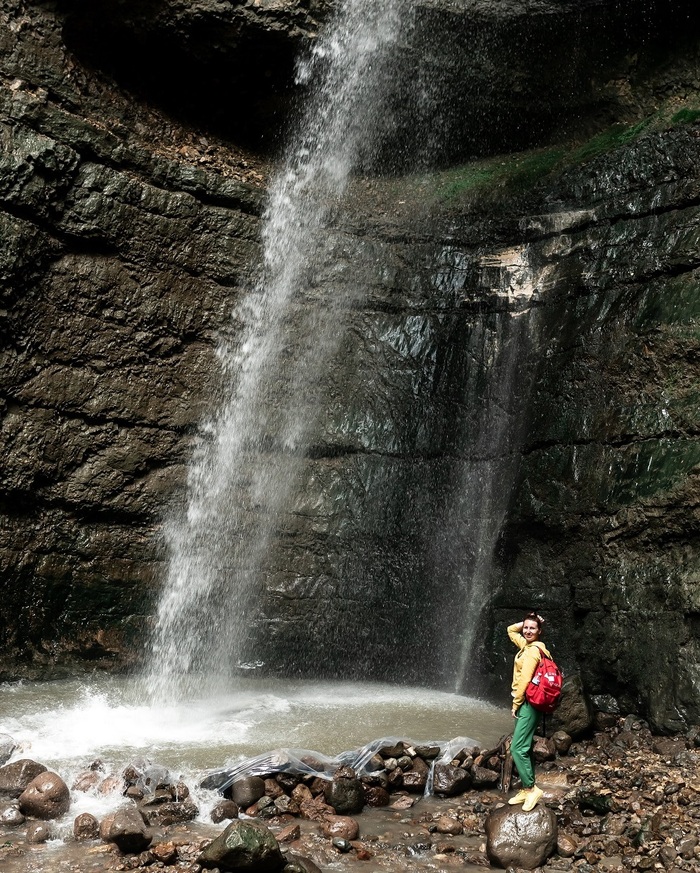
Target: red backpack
(544, 690)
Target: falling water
(244, 469)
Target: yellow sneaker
(519, 797)
(532, 799)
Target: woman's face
(531, 631)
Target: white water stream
(244, 470)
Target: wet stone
(273, 789)
(289, 834)
(165, 853)
(481, 777)
(341, 826)
(566, 846)
(11, 816)
(244, 845)
(518, 838)
(415, 782)
(226, 809)
(448, 825)
(86, 827)
(127, 830)
(562, 742)
(15, 777)
(345, 793)
(543, 749)
(429, 753)
(341, 845)
(247, 791)
(169, 813)
(46, 797)
(38, 832)
(87, 781)
(300, 864)
(449, 781)
(376, 796)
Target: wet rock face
(183, 54)
(129, 238)
(117, 273)
(604, 522)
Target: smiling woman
(525, 635)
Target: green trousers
(521, 745)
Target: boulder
(341, 826)
(562, 742)
(449, 780)
(168, 813)
(316, 809)
(574, 713)
(520, 839)
(376, 796)
(10, 815)
(225, 809)
(415, 781)
(344, 793)
(127, 830)
(247, 791)
(482, 777)
(244, 845)
(46, 797)
(86, 827)
(15, 777)
(38, 832)
(543, 749)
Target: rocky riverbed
(619, 799)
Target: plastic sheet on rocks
(304, 762)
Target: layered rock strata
(517, 378)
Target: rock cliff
(514, 406)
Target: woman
(526, 636)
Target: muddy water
(67, 725)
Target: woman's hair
(533, 616)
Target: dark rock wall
(524, 358)
(118, 266)
(603, 531)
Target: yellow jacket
(525, 662)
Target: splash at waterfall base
(624, 800)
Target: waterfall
(249, 454)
